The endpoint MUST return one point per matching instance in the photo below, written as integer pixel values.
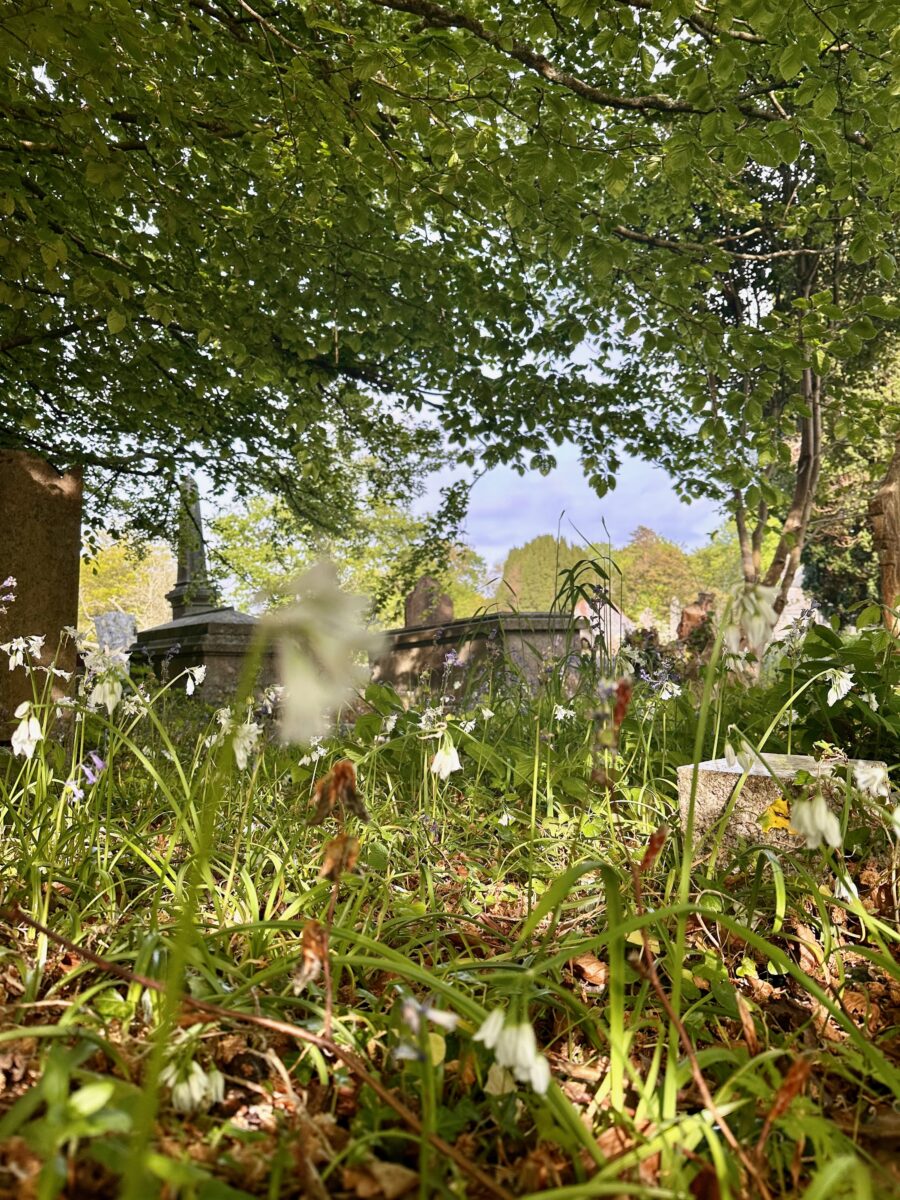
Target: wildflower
(872, 700)
(486, 714)
(841, 683)
(845, 889)
(515, 1048)
(669, 690)
(814, 821)
(193, 1088)
(467, 726)
(107, 692)
(414, 1013)
(76, 792)
(872, 778)
(20, 646)
(753, 618)
(245, 739)
(92, 774)
(446, 761)
(505, 819)
(195, 676)
(28, 732)
(318, 638)
(744, 757)
(560, 713)
(387, 725)
(431, 718)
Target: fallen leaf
(314, 946)
(340, 855)
(591, 969)
(377, 1179)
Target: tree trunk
(884, 513)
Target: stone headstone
(192, 592)
(426, 604)
(716, 783)
(694, 615)
(647, 620)
(40, 519)
(115, 630)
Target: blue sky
(507, 509)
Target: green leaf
(115, 320)
(791, 61)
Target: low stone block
(764, 784)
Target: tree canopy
(256, 240)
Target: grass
(719, 1027)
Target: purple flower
(92, 774)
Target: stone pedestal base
(717, 782)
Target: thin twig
(347, 1057)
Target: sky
(508, 510)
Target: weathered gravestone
(764, 786)
(426, 604)
(200, 634)
(115, 630)
(40, 520)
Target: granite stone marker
(717, 781)
(192, 592)
(40, 547)
(426, 604)
(115, 630)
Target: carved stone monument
(200, 634)
(40, 547)
(426, 604)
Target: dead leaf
(314, 947)
(337, 790)
(377, 1179)
(591, 969)
(340, 855)
(747, 1027)
(656, 843)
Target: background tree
(258, 241)
(840, 560)
(255, 549)
(132, 579)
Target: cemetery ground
(463, 948)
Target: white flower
(387, 725)
(430, 718)
(467, 726)
(446, 761)
(560, 713)
(872, 778)
(753, 617)
(669, 691)
(415, 1013)
(318, 639)
(107, 691)
(505, 819)
(490, 1029)
(486, 714)
(872, 700)
(20, 646)
(814, 821)
(841, 683)
(193, 1088)
(195, 676)
(845, 889)
(744, 757)
(245, 738)
(515, 1049)
(27, 733)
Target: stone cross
(192, 592)
(427, 605)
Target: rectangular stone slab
(717, 781)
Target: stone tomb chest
(765, 784)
